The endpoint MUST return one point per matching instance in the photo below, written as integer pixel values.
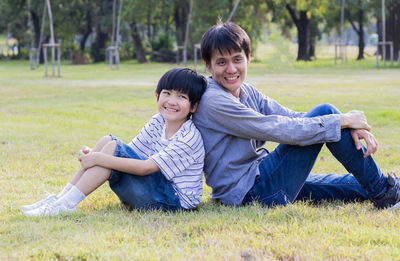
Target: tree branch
(293, 15)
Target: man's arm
(127, 165)
(224, 114)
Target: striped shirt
(180, 158)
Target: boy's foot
(391, 199)
(49, 200)
(52, 209)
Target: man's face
(229, 69)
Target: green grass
(45, 121)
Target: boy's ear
(156, 96)
(194, 108)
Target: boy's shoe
(391, 199)
(49, 200)
(52, 209)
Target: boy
(235, 120)
(160, 168)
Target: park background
(46, 120)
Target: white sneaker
(52, 209)
(49, 200)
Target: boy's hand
(88, 160)
(84, 150)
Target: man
(235, 120)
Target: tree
(301, 14)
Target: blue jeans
(285, 172)
(153, 191)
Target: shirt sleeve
(269, 106)
(142, 142)
(271, 123)
(180, 155)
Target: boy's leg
(96, 176)
(98, 147)
(142, 192)
(52, 198)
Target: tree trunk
(180, 17)
(303, 31)
(360, 32)
(87, 32)
(36, 28)
(137, 44)
(98, 54)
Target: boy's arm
(127, 165)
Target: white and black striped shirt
(180, 158)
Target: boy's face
(229, 69)
(174, 106)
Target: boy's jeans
(152, 191)
(284, 173)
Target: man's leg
(366, 180)
(285, 170)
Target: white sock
(72, 198)
(65, 190)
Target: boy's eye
(221, 62)
(166, 92)
(183, 97)
(239, 59)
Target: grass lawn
(44, 122)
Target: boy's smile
(229, 69)
(174, 106)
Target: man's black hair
(183, 80)
(224, 37)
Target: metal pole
(383, 33)
(45, 60)
(341, 32)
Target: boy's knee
(109, 148)
(102, 142)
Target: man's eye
(221, 63)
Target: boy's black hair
(183, 80)
(224, 37)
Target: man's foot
(49, 200)
(53, 209)
(391, 199)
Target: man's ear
(207, 66)
(194, 107)
(248, 59)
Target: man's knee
(323, 109)
(328, 108)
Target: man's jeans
(285, 172)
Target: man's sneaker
(49, 200)
(53, 209)
(391, 199)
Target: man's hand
(89, 160)
(372, 143)
(354, 120)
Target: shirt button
(176, 194)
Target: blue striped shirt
(180, 158)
